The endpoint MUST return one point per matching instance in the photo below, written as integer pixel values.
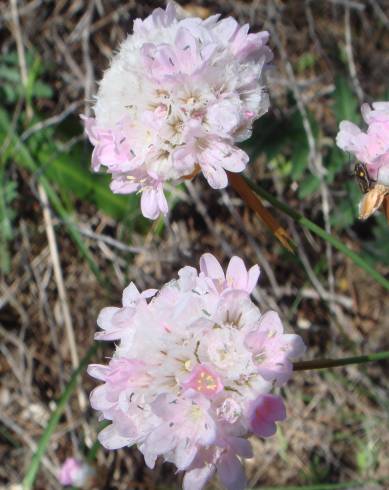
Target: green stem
(33, 468)
(306, 223)
(328, 486)
(328, 363)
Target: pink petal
(236, 273)
(149, 203)
(226, 28)
(210, 266)
(197, 478)
(271, 321)
(104, 320)
(98, 398)
(184, 159)
(230, 472)
(185, 455)
(266, 410)
(121, 185)
(111, 439)
(162, 202)
(294, 344)
(348, 137)
(149, 293)
(130, 295)
(241, 446)
(98, 371)
(253, 276)
(215, 175)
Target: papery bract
(192, 371)
(177, 97)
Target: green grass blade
(328, 486)
(33, 467)
(6, 215)
(310, 225)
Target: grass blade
(317, 230)
(33, 467)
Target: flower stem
(344, 361)
(310, 225)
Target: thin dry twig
(61, 288)
(21, 54)
(350, 56)
(50, 121)
(89, 72)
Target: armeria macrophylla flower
(75, 473)
(177, 97)
(370, 147)
(192, 371)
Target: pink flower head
(192, 370)
(177, 97)
(74, 473)
(371, 147)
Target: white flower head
(177, 97)
(191, 374)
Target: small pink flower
(178, 96)
(370, 147)
(204, 380)
(74, 473)
(191, 372)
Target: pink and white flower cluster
(177, 97)
(370, 147)
(193, 370)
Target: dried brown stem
(255, 204)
